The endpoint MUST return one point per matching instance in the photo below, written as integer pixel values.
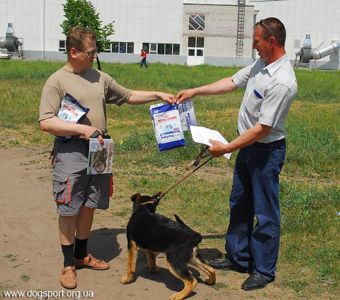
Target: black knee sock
(80, 249)
(68, 255)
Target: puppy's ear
(134, 197)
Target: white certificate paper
(202, 135)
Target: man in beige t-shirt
(77, 194)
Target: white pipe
(333, 48)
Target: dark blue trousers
(253, 235)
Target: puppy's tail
(197, 236)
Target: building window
(199, 52)
(62, 45)
(168, 49)
(160, 48)
(115, 47)
(146, 47)
(191, 42)
(196, 42)
(196, 22)
(122, 47)
(130, 47)
(176, 49)
(153, 48)
(195, 46)
(200, 42)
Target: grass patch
(309, 252)
(309, 227)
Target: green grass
(318, 86)
(314, 140)
(309, 229)
(310, 248)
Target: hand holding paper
(202, 135)
(217, 149)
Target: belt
(271, 144)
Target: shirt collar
(274, 66)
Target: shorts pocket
(62, 189)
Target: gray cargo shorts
(72, 188)
(76, 190)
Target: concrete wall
(38, 21)
(151, 21)
(221, 29)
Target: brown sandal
(91, 263)
(68, 277)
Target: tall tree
(83, 13)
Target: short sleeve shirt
(269, 92)
(93, 90)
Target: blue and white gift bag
(71, 111)
(167, 126)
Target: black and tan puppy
(155, 233)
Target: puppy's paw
(127, 279)
(177, 296)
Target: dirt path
(30, 256)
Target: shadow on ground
(103, 243)
(164, 276)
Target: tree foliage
(82, 13)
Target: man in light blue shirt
(270, 87)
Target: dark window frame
(62, 48)
(197, 22)
(162, 48)
(117, 46)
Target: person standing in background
(143, 55)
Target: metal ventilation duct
(320, 53)
(306, 53)
(11, 42)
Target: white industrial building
(179, 31)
